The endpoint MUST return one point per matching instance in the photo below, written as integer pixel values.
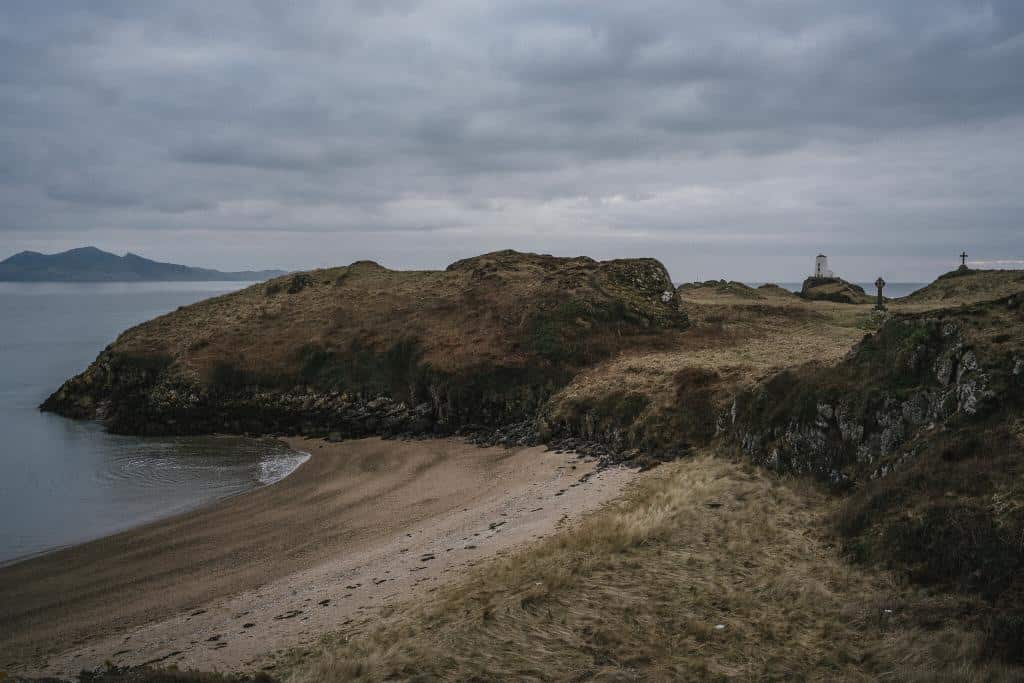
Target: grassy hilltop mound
(958, 286)
(362, 349)
(729, 287)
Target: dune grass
(706, 570)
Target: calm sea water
(63, 481)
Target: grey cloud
(703, 133)
(88, 195)
(270, 154)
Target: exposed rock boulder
(833, 289)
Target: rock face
(863, 418)
(833, 289)
(364, 350)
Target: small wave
(280, 466)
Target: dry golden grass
(479, 311)
(746, 334)
(740, 338)
(706, 570)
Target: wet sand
(361, 525)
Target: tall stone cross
(880, 303)
(963, 258)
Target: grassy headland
(363, 350)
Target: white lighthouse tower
(821, 267)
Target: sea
(65, 481)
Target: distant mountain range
(89, 264)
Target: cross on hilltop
(963, 263)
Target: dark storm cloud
(710, 133)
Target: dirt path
(362, 524)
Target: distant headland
(89, 264)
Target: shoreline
(162, 516)
(350, 526)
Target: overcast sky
(729, 139)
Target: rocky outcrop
(864, 418)
(135, 407)
(134, 396)
(833, 289)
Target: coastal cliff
(362, 350)
(858, 419)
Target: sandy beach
(363, 524)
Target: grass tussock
(706, 570)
